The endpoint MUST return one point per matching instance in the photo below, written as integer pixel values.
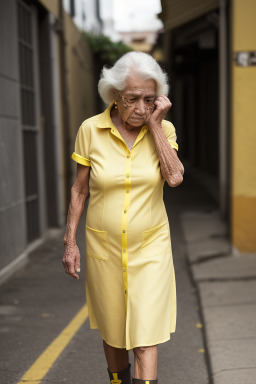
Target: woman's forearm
(75, 211)
(171, 167)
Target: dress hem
(138, 345)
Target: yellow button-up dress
(130, 278)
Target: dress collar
(105, 118)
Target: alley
(40, 300)
(52, 56)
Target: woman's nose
(140, 107)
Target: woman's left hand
(162, 106)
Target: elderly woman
(124, 156)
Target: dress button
(128, 156)
(124, 250)
(124, 230)
(127, 191)
(127, 175)
(125, 210)
(125, 291)
(124, 270)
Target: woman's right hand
(79, 194)
(71, 259)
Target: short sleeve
(82, 142)
(170, 133)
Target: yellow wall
(79, 71)
(79, 89)
(243, 122)
(244, 13)
(80, 93)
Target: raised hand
(162, 106)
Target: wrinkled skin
(71, 259)
(134, 103)
(79, 194)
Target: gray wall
(12, 212)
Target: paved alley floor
(40, 300)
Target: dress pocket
(96, 243)
(156, 240)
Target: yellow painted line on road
(45, 361)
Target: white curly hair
(114, 78)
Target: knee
(141, 352)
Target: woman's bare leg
(117, 359)
(145, 363)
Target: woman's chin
(136, 123)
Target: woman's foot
(121, 377)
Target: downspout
(65, 114)
(223, 109)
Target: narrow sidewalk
(226, 286)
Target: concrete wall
(243, 115)
(12, 213)
(52, 79)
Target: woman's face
(136, 102)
